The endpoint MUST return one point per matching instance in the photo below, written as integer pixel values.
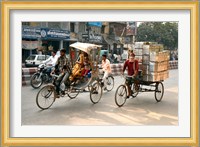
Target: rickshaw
(138, 86)
(47, 95)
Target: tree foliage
(163, 33)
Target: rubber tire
(162, 91)
(31, 80)
(111, 78)
(73, 97)
(116, 94)
(49, 94)
(93, 89)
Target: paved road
(142, 110)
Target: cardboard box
(145, 69)
(139, 58)
(138, 45)
(145, 59)
(140, 66)
(152, 76)
(164, 75)
(137, 52)
(156, 76)
(145, 50)
(159, 56)
(158, 66)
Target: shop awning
(30, 45)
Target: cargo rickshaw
(91, 83)
(139, 85)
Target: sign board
(44, 33)
(84, 35)
(96, 38)
(96, 24)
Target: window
(32, 57)
(72, 27)
(44, 57)
(40, 57)
(103, 29)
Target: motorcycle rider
(62, 65)
(51, 61)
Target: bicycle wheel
(120, 95)
(45, 97)
(110, 83)
(159, 91)
(95, 92)
(36, 81)
(73, 93)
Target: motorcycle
(41, 76)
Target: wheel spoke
(95, 93)
(45, 97)
(120, 95)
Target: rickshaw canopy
(86, 47)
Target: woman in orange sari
(77, 69)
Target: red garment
(84, 72)
(131, 67)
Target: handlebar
(54, 75)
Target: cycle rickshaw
(47, 95)
(139, 85)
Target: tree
(161, 32)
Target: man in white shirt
(106, 68)
(51, 60)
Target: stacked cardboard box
(138, 51)
(155, 63)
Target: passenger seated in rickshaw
(86, 68)
(78, 67)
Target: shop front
(36, 40)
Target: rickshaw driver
(133, 67)
(62, 65)
(106, 69)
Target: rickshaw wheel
(159, 91)
(135, 92)
(45, 97)
(110, 83)
(95, 92)
(73, 93)
(120, 95)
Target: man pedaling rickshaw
(133, 67)
(61, 67)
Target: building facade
(43, 37)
